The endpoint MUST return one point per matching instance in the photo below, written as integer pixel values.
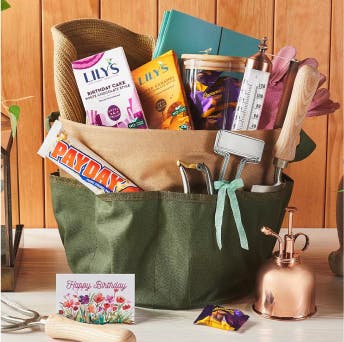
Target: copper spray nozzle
(269, 232)
(289, 238)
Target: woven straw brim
(80, 38)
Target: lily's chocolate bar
(162, 95)
(107, 90)
(80, 162)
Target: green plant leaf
(14, 116)
(4, 5)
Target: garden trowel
(305, 86)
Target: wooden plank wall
(315, 30)
(21, 56)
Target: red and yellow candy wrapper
(80, 162)
(221, 317)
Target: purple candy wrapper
(221, 317)
(213, 100)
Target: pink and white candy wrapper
(321, 103)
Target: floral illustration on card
(97, 308)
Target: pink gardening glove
(321, 103)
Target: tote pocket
(168, 240)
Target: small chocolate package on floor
(221, 317)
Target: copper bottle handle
(306, 242)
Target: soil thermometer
(253, 89)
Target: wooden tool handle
(305, 86)
(285, 98)
(58, 326)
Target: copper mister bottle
(285, 287)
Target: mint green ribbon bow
(224, 187)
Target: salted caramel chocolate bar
(160, 88)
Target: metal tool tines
(32, 319)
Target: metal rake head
(17, 323)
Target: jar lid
(214, 62)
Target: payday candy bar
(80, 162)
(221, 317)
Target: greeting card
(96, 298)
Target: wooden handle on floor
(58, 326)
(305, 86)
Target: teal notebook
(187, 34)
